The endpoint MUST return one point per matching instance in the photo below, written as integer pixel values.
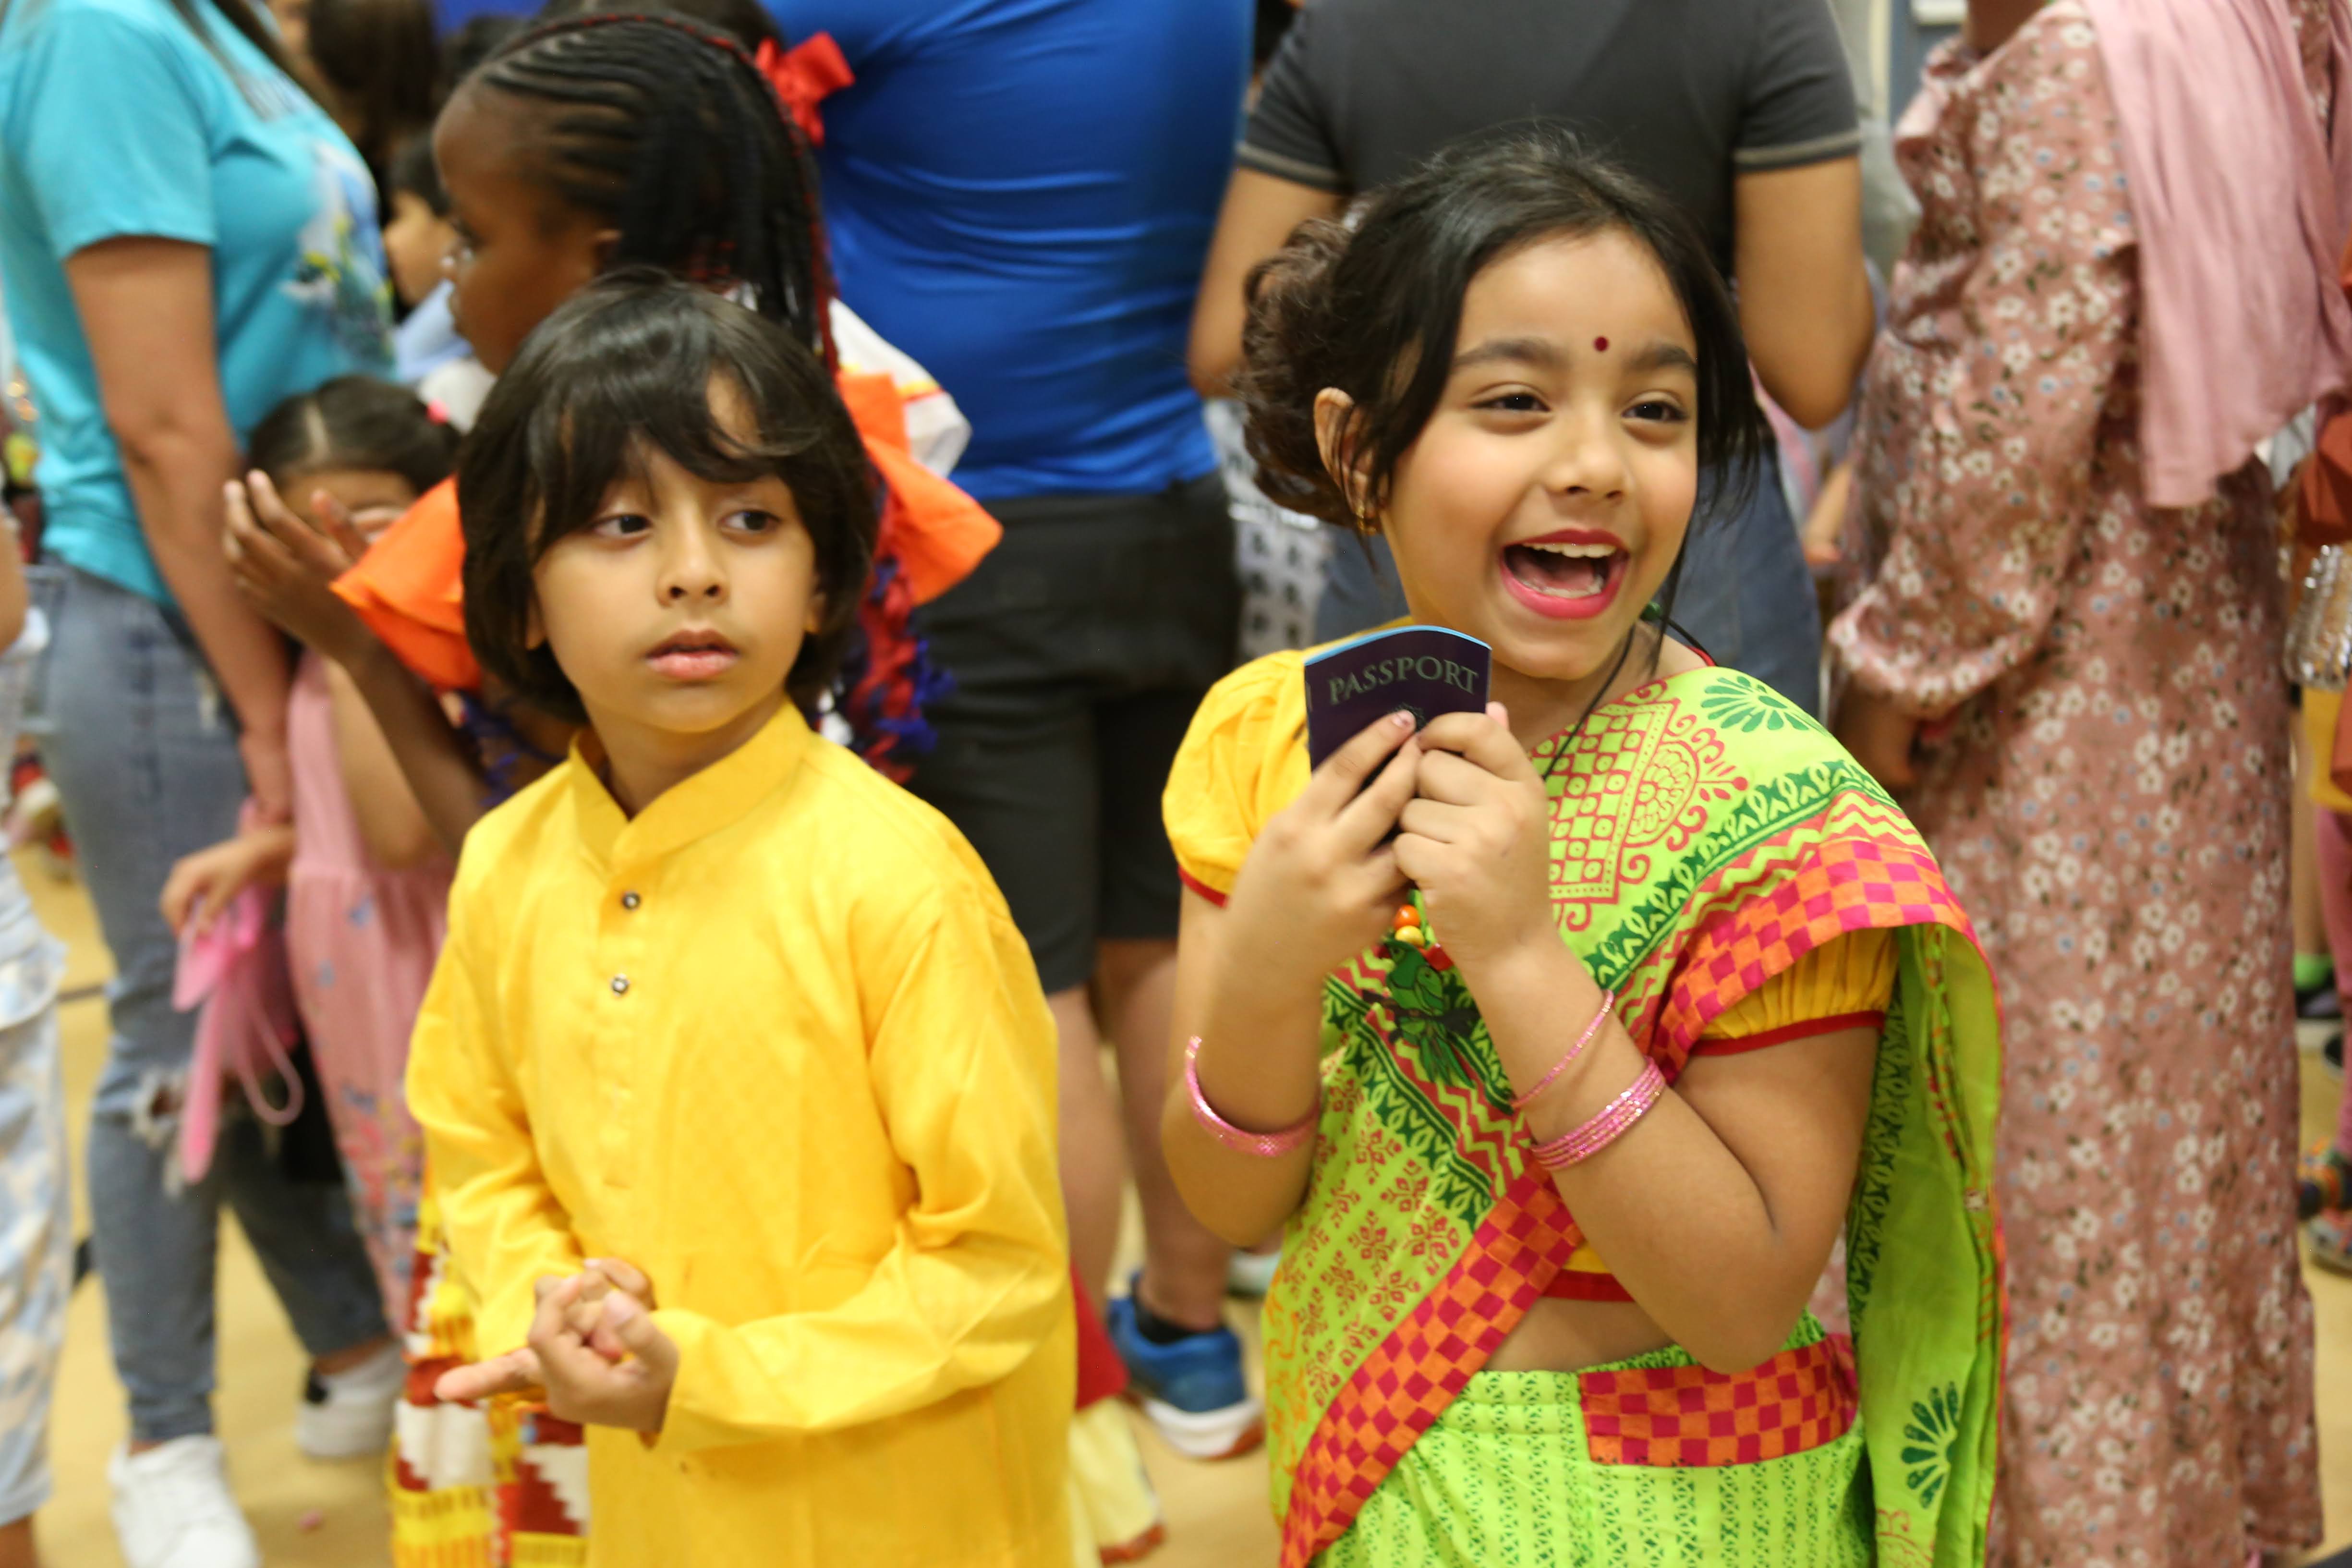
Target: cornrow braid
(667, 131)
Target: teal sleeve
(113, 133)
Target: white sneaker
(173, 1507)
(348, 1415)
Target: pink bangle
(1265, 1145)
(1581, 1144)
(1607, 1006)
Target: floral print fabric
(2110, 802)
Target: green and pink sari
(1706, 835)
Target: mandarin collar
(716, 797)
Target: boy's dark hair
(353, 421)
(415, 174)
(665, 129)
(622, 369)
(382, 61)
(1373, 306)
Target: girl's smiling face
(1543, 504)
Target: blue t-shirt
(115, 120)
(1021, 195)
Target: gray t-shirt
(1687, 93)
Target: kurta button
(630, 900)
(620, 986)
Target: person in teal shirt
(186, 240)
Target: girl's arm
(1717, 1209)
(284, 568)
(146, 309)
(1319, 886)
(203, 884)
(392, 824)
(438, 762)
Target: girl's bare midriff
(1570, 1336)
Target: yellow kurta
(776, 1042)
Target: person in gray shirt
(1742, 110)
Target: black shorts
(1079, 649)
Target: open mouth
(692, 656)
(1567, 575)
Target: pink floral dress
(2111, 804)
(361, 940)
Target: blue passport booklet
(1425, 671)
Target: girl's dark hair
(475, 39)
(665, 129)
(414, 173)
(1373, 306)
(624, 369)
(354, 422)
(745, 21)
(382, 60)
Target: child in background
(1434, 1021)
(735, 1076)
(418, 239)
(367, 878)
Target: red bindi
(1601, 345)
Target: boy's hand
(1475, 838)
(517, 1372)
(581, 1385)
(601, 1279)
(203, 884)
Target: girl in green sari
(1565, 1038)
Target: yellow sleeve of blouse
(1243, 759)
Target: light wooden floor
(331, 1516)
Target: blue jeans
(144, 757)
(1746, 595)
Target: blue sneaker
(1193, 1391)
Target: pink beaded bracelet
(1607, 1006)
(1265, 1145)
(1580, 1143)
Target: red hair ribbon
(804, 75)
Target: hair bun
(1286, 359)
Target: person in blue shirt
(1021, 195)
(186, 240)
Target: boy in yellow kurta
(735, 1073)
